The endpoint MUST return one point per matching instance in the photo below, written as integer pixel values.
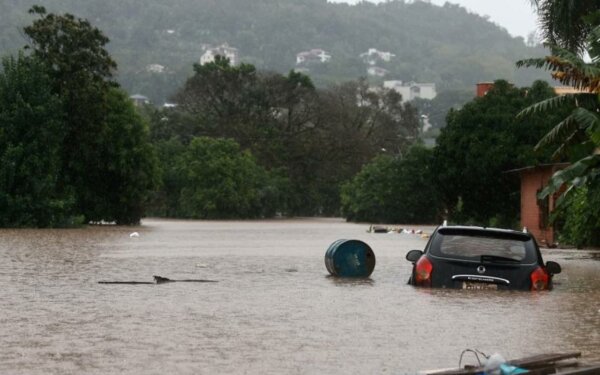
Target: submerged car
(465, 257)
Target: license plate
(479, 286)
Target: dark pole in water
(158, 280)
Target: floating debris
(350, 258)
(552, 363)
(158, 280)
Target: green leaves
(548, 104)
(576, 175)
(393, 190)
(483, 141)
(220, 181)
(31, 136)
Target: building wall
(532, 214)
(483, 88)
(425, 90)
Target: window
(475, 247)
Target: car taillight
(539, 279)
(423, 270)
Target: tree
(394, 190)
(483, 141)
(356, 124)
(31, 137)
(106, 161)
(129, 167)
(220, 181)
(563, 22)
(576, 136)
(79, 67)
(228, 101)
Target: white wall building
(412, 90)
(155, 68)
(373, 56)
(314, 55)
(139, 100)
(224, 50)
(377, 71)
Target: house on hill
(210, 53)
(373, 56)
(316, 55)
(376, 71)
(155, 68)
(412, 90)
(139, 100)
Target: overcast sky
(516, 16)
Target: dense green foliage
(572, 28)
(73, 147)
(220, 181)
(212, 178)
(31, 137)
(563, 22)
(394, 190)
(483, 141)
(446, 44)
(581, 217)
(310, 140)
(437, 108)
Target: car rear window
(471, 244)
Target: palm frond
(539, 62)
(548, 104)
(568, 68)
(594, 44)
(594, 134)
(574, 175)
(562, 130)
(561, 151)
(586, 118)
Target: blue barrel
(350, 258)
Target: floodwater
(274, 310)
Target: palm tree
(580, 130)
(566, 23)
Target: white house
(377, 71)
(155, 68)
(224, 50)
(412, 90)
(314, 55)
(139, 100)
(373, 56)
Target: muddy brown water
(274, 309)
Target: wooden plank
(543, 362)
(543, 359)
(589, 370)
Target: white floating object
(134, 234)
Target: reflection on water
(274, 309)
(350, 282)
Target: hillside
(445, 45)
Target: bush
(582, 218)
(220, 181)
(393, 190)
